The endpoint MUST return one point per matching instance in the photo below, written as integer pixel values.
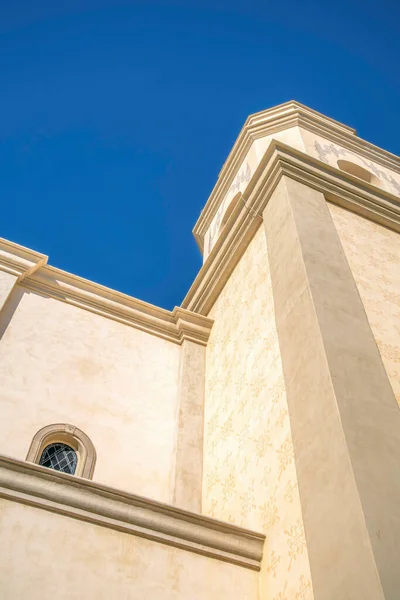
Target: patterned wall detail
(328, 151)
(249, 472)
(373, 253)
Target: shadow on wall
(13, 300)
(10, 307)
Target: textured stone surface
(249, 472)
(373, 253)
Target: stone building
(245, 445)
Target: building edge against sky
(245, 444)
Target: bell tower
(302, 426)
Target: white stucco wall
(46, 556)
(62, 364)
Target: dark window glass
(59, 457)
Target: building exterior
(245, 445)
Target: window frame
(74, 437)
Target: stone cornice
(19, 261)
(92, 502)
(279, 160)
(34, 274)
(176, 325)
(279, 118)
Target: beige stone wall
(46, 556)
(249, 471)
(62, 364)
(373, 253)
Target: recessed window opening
(63, 447)
(360, 172)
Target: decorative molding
(35, 275)
(279, 118)
(19, 261)
(95, 503)
(280, 159)
(68, 434)
(325, 150)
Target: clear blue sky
(116, 116)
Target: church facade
(244, 445)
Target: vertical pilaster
(189, 453)
(344, 418)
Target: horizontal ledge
(175, 326)
(278, 118)
(282, 160)
(18, 260)
(95, 503)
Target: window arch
(360, 172)
(65, 448)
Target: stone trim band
(33, 273)
(101, 505)
(337, 186)
(267, 122)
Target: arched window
(59, 457)
(360, 172)
(65, 448)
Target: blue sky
(116, 116)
